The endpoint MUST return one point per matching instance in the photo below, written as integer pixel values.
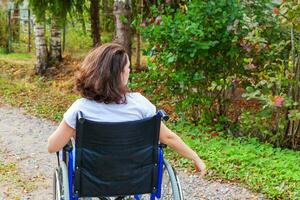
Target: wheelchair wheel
(57, 188)
(61, 183)
(171, 189)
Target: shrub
(203, 54)
(199, 53)
(195, 48)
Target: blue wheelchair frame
(70, 164)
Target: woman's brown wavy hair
(99, 77)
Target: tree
(289, 13)
(123, 11)
(15, 21)
(138, 39)
(40, 47)
(55, 41)
(58, 11)
(95, 22)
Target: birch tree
(123, 11)
(55, 41)
(40, 47)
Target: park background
(227, 72)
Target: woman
(102, 83)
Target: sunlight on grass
(17, 55)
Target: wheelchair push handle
(80, 117)
(163, 115)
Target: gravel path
(23, 141)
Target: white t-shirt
(137, 107)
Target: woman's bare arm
(60, 137)
(169, 138)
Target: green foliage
(16, 56)
(56, 9)
(277, 108)
(78, 42)
(205, 53)
(272, 171)
(290, 13)
(277, 118)
(193, 49)
(200, 52)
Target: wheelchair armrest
(68, 147)
(163, 115)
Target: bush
(200, 52)
(193, 49)
(203, 54)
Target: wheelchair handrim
(57, 186)
(173, 180)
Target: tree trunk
(16, 23)
(105, 7)
(138, 38)
(106, 16)
(122, 12)
(9, 45)
(29, 31)
(40, 48)
(55, 41)
(292, 133)
(95, 22)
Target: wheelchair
(116, 160)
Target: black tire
(57, 188)
(179, 185)
(171, 189)
(60, 183)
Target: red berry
(152, 20)
(276, 11)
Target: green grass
(259, 167)
(2, 50)
(36, 98)
(16, 55)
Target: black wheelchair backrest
(116, 158)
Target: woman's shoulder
(79, 101)
(137, 96)
(143, 102)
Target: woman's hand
(200, 166)
(169, 138)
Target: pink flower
(250, 65)
(158, 20)
(278, 101)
